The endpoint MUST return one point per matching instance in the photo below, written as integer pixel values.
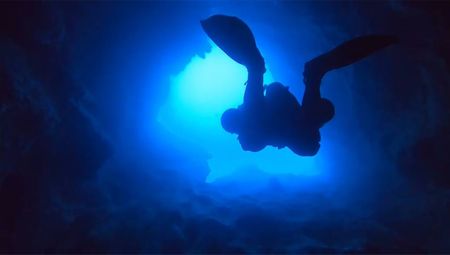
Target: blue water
(199, 95)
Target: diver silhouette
(271, 115)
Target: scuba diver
(271, 115)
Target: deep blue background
(86, 167)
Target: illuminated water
(199, 95)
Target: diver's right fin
(346, 54)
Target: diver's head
(231, 120)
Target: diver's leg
(312, 80)
(343, 55)
(316, 110)
(254, 91)
(236, 39)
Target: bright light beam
(198, 97)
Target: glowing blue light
(198, 97)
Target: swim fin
(346, 54)
(235, 38)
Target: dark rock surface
(79, 172)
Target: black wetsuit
(276, 118)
